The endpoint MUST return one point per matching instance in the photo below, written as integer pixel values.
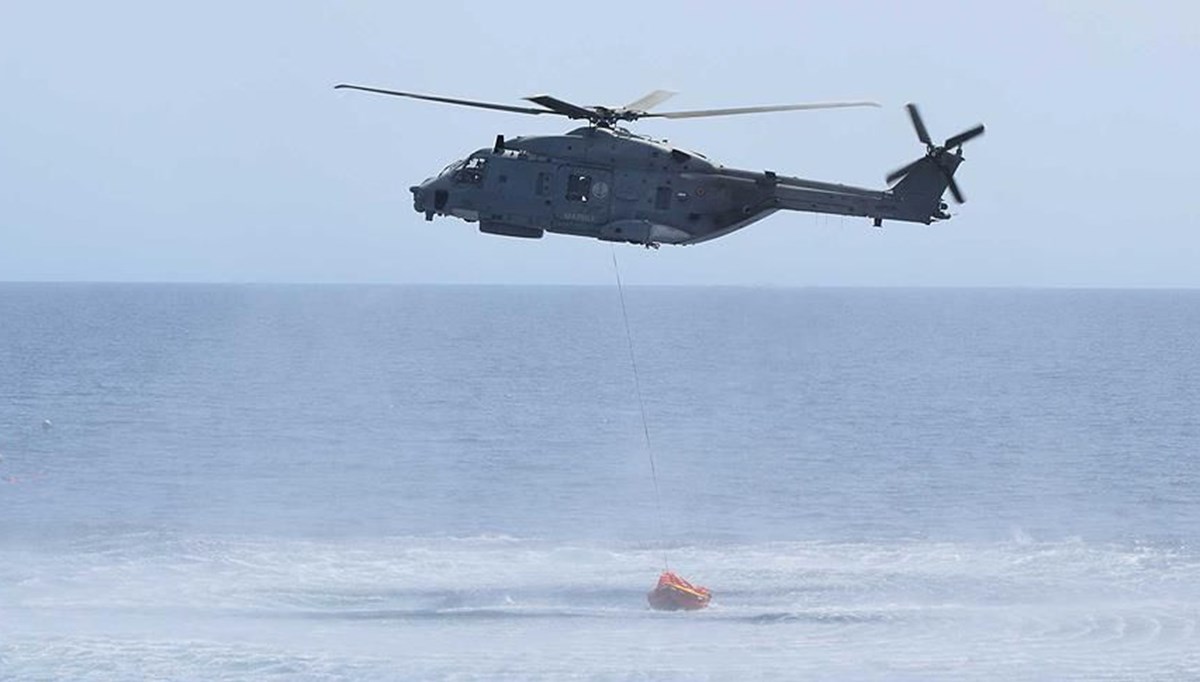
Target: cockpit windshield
(452, 166)
(471, 171)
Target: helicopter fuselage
(610, 184)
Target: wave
(126, 569)
(915, 608)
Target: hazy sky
(157, 141)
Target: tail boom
(916, 199)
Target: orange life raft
(674, 594)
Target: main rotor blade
(698, 113)
(649, 101)
(922, 133)
(558, 106)
(447, 100)
(962, 137)
(901, 172)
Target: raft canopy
(673, 593)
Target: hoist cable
(637, 386)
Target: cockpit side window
(471, 172)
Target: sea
(303, 482)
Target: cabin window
(662, 198)
(578, 187)
(472, 171)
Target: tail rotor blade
(901, 172)
(922, 133)
(951, 184)
(958, 197)
(964, 136)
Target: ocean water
(294, 482)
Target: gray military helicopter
(605, 182)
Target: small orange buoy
(674, 594)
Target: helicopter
(608, 183)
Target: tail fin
(923, 181)
(920, 191)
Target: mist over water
(404, 482)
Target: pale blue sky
(150, 141)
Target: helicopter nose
(429, 197)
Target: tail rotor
(952, 145)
